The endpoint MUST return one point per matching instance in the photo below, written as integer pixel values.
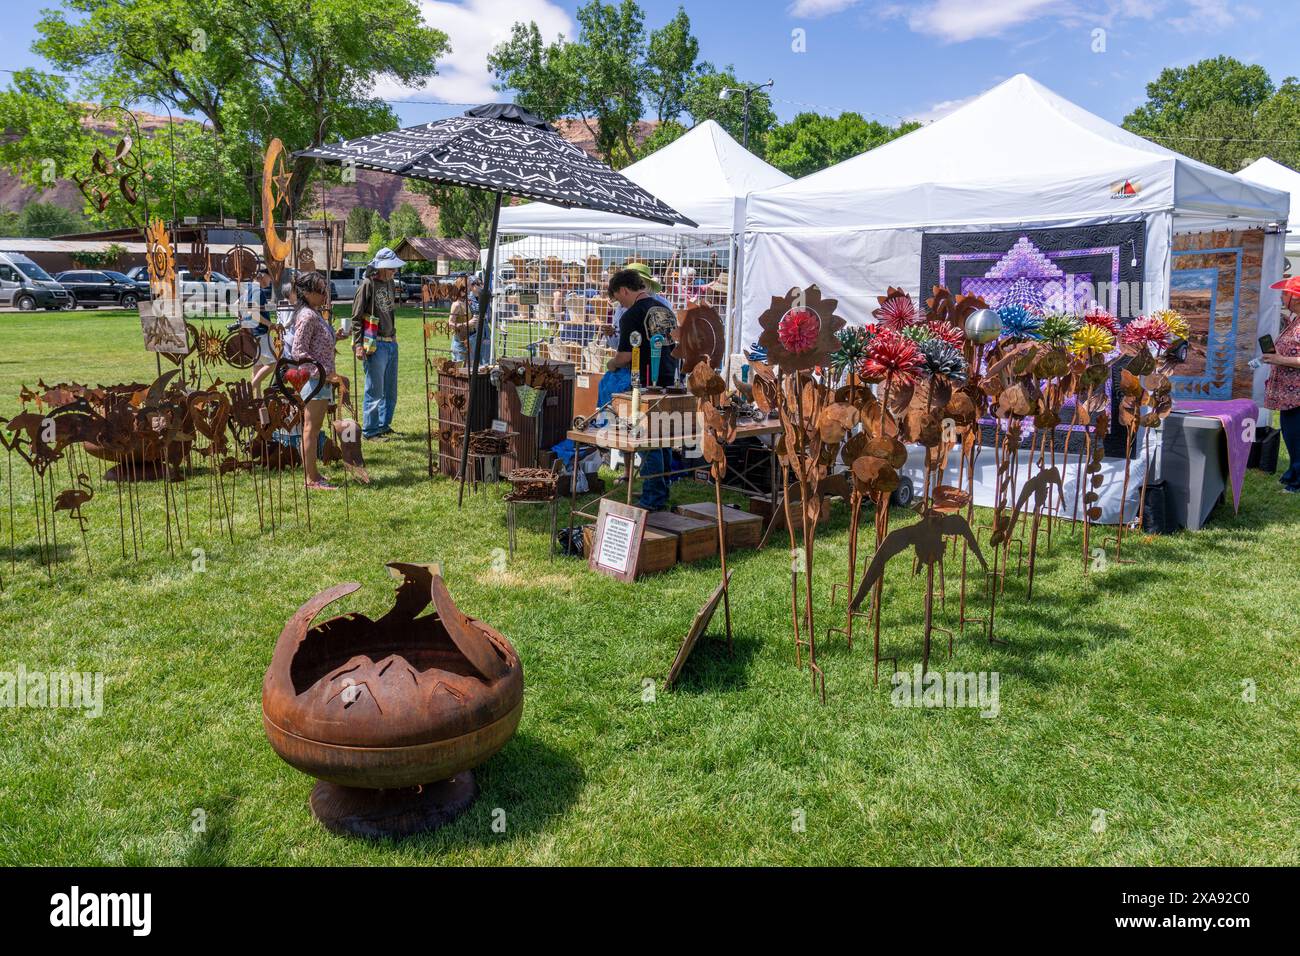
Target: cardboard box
(697, 539)
(743, 530)
(586, 392)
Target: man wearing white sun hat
(374, 341)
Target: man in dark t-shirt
(649, 317)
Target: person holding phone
(1282, 392)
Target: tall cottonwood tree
(302, 70)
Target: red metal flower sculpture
(1145, 330)
(892, 358)
(1100, 317)
(799, 330)
(896, 310)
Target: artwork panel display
(1063, 269)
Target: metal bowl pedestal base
(375, 814)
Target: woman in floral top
(313, 338)
(1283, 389)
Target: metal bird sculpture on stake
(927, 537)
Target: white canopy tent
(705, 174)
(1018, 156)
(1266, 172)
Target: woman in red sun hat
(1283, 389)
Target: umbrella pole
(484, 307)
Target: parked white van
(26, 286)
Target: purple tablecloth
(1234, 414)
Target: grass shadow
(521, 790)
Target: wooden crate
(658, 549)
(666, 415)
(743, 530)
(761, 505)
(697, 539)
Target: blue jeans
(381, 389)
(654, 490)
(1289, 426)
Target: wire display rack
(551, 299)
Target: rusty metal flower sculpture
(799, 330)
(699, 336)
(896, 310)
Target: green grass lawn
(1121, 692)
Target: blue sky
(884, 59)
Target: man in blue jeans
(374, 341)
(646, 316)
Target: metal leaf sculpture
(718, 429)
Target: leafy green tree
(671, 62)
(462, 213)
(663, 134)
(405, 222)
(359, 224)
(1179, 92)
(810, 141)
(302, 70)
(608, 77)
(1277, 126)
(41, 220)
(46, 134)
(1220, 111)
(184, 161)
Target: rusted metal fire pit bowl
(391, 715)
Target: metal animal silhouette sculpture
(927, 537)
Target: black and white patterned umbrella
(501, 148)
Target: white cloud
(474, 27)
(943, 108)
(956, 21)
(1208, 15)
(819, 8)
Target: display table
(1194, 462)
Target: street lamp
(748, 92)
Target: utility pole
(748, 92)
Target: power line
(822, 108)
